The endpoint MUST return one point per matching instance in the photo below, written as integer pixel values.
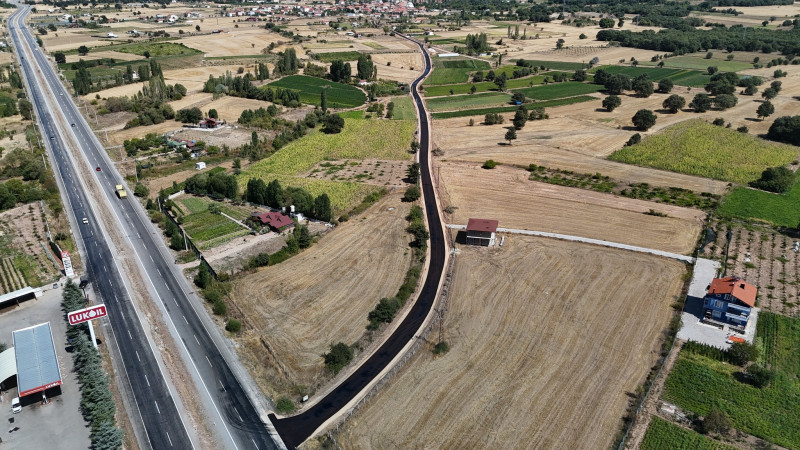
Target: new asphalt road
(294, 430)
(236, 420)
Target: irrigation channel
(296, 429)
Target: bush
(233, 325)
(284, 405)
(441, 348)
(333, 124)
(611, 102)
(742, 352)
(775, 179)
(785, 129)
(220, 308)
(759, 376)
(716, 422)
(141, 190)
(340, 355)
(635, 139)
(412, 194)
(489, 164)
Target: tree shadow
(750, 119)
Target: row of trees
(275, 196)
(97, 403)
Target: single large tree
(725, 101)
(644, 119)
(322, 207)
(611, 102)
(511, 135)
(701, 103)
(765, 110)
(674, 103)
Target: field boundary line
(567, 237)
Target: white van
(15, 405)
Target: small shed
(481, 232)
(199, 165)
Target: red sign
(86, 314)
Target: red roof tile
(482, 225)
(743, 291)
(275, 219)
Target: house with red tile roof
(274, 220)
(729, 301)
(481, 232)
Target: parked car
(15, 405)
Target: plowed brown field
(546, 338)
(506, 194)
(322, 296)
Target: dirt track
(322, 296)
(507, 195)
(546, 338)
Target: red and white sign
(87, 314)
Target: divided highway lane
(155, 404)
(239, 424)
(294, 430)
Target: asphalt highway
(296, 429)
(235, 418)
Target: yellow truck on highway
(121, 191)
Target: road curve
(236, 418)
(296, 429)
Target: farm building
(729, 301)
(274, 220)
(481, 232)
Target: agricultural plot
(454, 71)
(322, 295)
(208, 229)
(512, 108)
(698, 383)
(360, 139)
(557, 65)
(338, 95)
(156, 49)
(485, 86)
(24, 258)
(696, 147)
(662, 435)
(750, 204)
(404, 108)
(506, 194)
(560, 90)
(569, 373)
(333, 56)
(691, 78)
(459, 102)
(698, 63)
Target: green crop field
(691, 78)
(374, 45)
(338, 95)
(344, 195)
(778, 209)
(664, 435)
(205, 226)
(404, 108)
(511, 108)
(560, 90)
(698, 384)
(332, 56)
(698, 148)
(156, 49)
(360, 138)
(471, 64)
(459, 102)
(557, 65)
(697, 63)
(486, 86)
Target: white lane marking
(151, 258)
(209, 361)
(254, 443)
(184, 319)
(237, 413)
(148, 381)
(157, 408)
(129, 334)
(169, 439)
(159, 272)
(137, 356)
(195, 338)
(221, 385)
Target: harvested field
(119, 136)
(506, 194)
(370, 171)
(405, 67)
(526, 341)
(24, 260)
(321, 296)
(570, 140)
(234, 42)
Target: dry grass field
(506, 194)
(570, 140)
(321, 296)
(546, 338)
